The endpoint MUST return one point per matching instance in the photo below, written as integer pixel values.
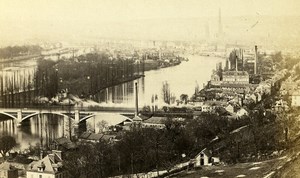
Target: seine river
(182, 79)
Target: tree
(102, 125)
(277, 57)
(6, 144)
(166, 93)
(184, 98)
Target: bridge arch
(9, 115)
(36, 113)
(87, 117)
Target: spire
(220, 23)
(255, 60)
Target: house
(242, 112)
(205, 158)
(215, 79)
(8, 171)
(93, 137)
(280, 105)
(235, 77)
(155, 122)
(137, 119)
(51, 166)
(206, 108)
(253, 97)
(229, 108)
(296, 98)
(63, 143)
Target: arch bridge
(77, 115)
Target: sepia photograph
(150, 89)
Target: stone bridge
(21, 114)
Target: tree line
(83, 76)
(14, 51)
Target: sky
(35, 18)
(119, 10)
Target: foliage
(6, 144)
(184, 98)
(166, 93)
(277, 57)
(13, 51)
(86, 75)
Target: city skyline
(251, 21)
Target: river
(182, 79)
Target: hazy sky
(28, 19)
(118, 10)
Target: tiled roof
(62, 140)
(137, 118)
(156, 120)
(48, 163)
(235, 73)
(85, 135)
(95, 137)
(6, 166)
(206, 152)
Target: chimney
(255, 67)
(136, 100)
(41, 154)
(236, 62)
(243, 59)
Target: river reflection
(182, 79)
(38, 130)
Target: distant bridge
(77, 114)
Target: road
(292, 167)
(285, 166)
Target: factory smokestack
(136, 100)
(255, 62)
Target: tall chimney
(41, 154)
(255, 67)
(136, 100)
(236, 62)
(243, 65)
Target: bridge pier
(19, 117)
(77, 118)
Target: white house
(204, 158)
(206, 108)
(296, 98)
(49, 167)
(229, 108)
(242, 112)
(155, 122)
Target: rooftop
(49, 164)
(156, 120)
(236, 73)
(6, 166)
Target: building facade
(49, 167)
(235, 77)
(8, 171)
(296, 99)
